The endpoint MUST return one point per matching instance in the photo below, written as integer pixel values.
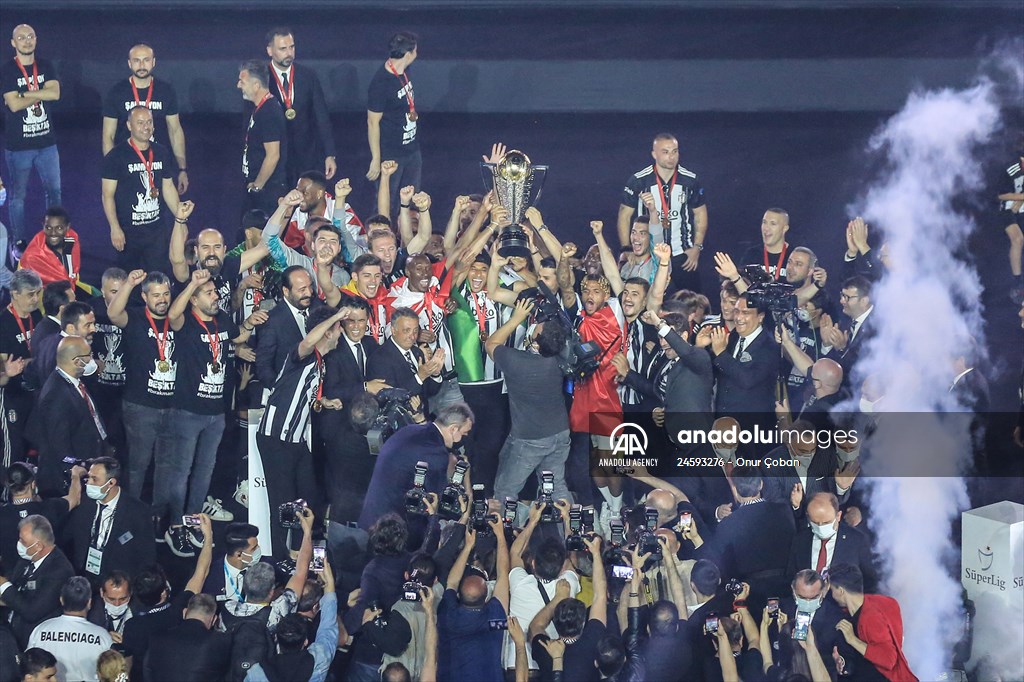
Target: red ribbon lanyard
(213, 340)
(375, 321)
(782, 259)
(31, 327)
(286, 97)
(252, 116)
(666, 202)
(135, 92)
(33, 82)
(320, 373)
(405, 82)
(161, 341)
(481, 313)
(319, 289)
(147, 164)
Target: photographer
(23, 493)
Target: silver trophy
(517, 185)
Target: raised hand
(185, 209)
(405, 194)
(857, 232)
(388, 168)
(703, 339)
(293, 198)
(664, 252)
(534, 216)
(200, 277)
(422, 201)
(725, 267)
(719, 340)
(136, 277)
(497, 152)
(597, 227)
(342, 188)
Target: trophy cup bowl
(516, 183)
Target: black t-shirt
(388, 95)
(534, 393)
(162, 101)
(201, 388)
(146, 384)
(55, 509)
(578, 663)
(107, 346)
(266, 124)
(226, 279)
(139, 630)
(29, 128)
(15, 343)
(136, 206)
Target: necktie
(634, 338)
(95, 537)
(739, 347)
(361, 359)
(284, 83)
(411, 361)
(92, 411)
(822, 556)
(853, 329)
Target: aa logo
(629, 440)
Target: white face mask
(823, 531)
(24, 552)
(867, 406)
(807, 605)
(728, 454)
(803, 315)
(256, 555)
(847, 457)
(90, 368)
(96, 492)
(115, 611)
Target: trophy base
(513, 242)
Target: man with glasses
(843, 343)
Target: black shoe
(158, 530)
(17, 249)
(195, 536)
(178, 542)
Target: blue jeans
(188, 467)
(5, 274)
(147, 432)
(519, 458)
(410, 172)
(19, 165)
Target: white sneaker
(604, 519)
(216, 511)
(242, 493)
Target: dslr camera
(69, 464)
(395, 412)
(614, 553)
(734, 587)
(480, 518)
(411, 588)
(289, 513)
(449, 507)
(550, 514)
(574, 540)
(578, 359)
(647, 538)
(416, 498)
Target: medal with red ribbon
(213, 340)
(781, 261)
(318, 403)
(32, 84)
(31, 327)
(161, 342)
(480, 312)
(135, 92)
(148, 164)
(666, 198)
(287, 96)
(252, 117)
(405, 86)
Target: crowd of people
(435, 418)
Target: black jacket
(343, 379)
(779, 480)
(389, 363)
(276, 338)
(852, 547)
(747, 384)
(188, 652)
(131, 545)
(310, 139)
(752, 544)
(36, 597)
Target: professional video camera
(647, 538)
(69, 464)
(766, 294)
(395, 412)
(579, 359)
(416, 498)
(289, 513)
(480, 518)
(574, 540)
(449, 507)
(550, 513)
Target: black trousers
(491, 427)
(288, 470)
(681, 279)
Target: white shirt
(107, 522)
(75, 643)
(233, 580)
(857, 323)
(526, 602)
(747, 340)
(300, 319)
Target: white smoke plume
(927, 309)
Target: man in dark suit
(400, 363)
(110, 530)
(285, 325)
(115, 607)
(752, 543)
(707, 484)
(828, 540)
(705, 581)
(310, 141)
(746, 364)
(817, 470)
(395, 468)
(56, 295)
(191, 650)
(76, 319)
(810, 595)
(65, 422)
(32, 592)
(844, 344)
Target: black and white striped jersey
(287, 415)
(682, 193)
(1016, 187)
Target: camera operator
(381, 585)
(23, 493)
(539, 438)
(396, 464)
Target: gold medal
(290, 114)
(483, 337)
(665, 222)
(37, 109)
(154, 193)
(318, 405)
(163, 366)
(215, 368)
(413, 115)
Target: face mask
(24, 553)
(867, 406)
(823, 531)
(807, 605)
(116, 611)
(256, 555)
(728, 454)
(803, 315)
(90, 368)
(96, 492)
(847, 457)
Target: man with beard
(308, 123)
(76, 319)
(317, 203)
(596, 408)
(367, 283)
(325, 245)
(425, 290)
(204, 381)
(106, 346)
(160, 97)
(137, 180)
(150, 371)
(17, 325)
(674, 199)
(286, 324)
(265, 152)
(29, 85)
(211, 255)
(54, 253)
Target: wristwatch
(699, 246)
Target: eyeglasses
(848, 297)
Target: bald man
(28, 84)
(159, 96)
(211, 254)
(828, 540)
(707, 485)
(65, 422)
